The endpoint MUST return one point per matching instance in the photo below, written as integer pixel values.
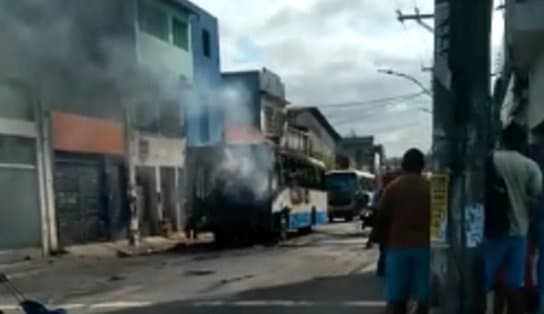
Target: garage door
(80, 208)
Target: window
(180, 34)
(274, 120)
(206, 43)
(17, 150)
(153, 20)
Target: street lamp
(408, 77)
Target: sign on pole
(439, 208)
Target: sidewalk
(121, 248)
(147, 245)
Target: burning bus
(249, 189)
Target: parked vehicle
(252, 192)
(349, 193)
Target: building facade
(520, 88)
(101, 111)
(359, 151)
(322, 137)
(257, 100)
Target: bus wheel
(223, 239)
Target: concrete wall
(162, 54)
(158, 151)
(159, 54)
(204, 108)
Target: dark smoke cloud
(78, 55)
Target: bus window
(342, 182)
(321, 179)
(367, 184)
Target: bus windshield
(342, 182)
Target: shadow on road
(357, 293)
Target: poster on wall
(474, 225)
(439, 208)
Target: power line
(371, 101)
(380, 108)
(369, 112)
(360, 118)
(403, 126)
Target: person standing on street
(404, 215)
(513, 181)
(377, 229)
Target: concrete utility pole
(132, 194)
(461, 140)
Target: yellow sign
(439, 206)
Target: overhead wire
(361, 116)
(370, 101)
(379, 107)
(384, 129)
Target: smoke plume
(78, 56)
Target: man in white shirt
(523, 179)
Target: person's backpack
(498, 206)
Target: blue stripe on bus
(322, 218)
(304, 219)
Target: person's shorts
(508, 252)
(407, 274)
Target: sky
(328, 53)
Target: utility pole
(418, 17)
(460, 143)
(132, 193)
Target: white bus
(349, 192)
(255, 191)
(301, 201)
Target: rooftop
(319, 116)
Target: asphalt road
(328, 271)
(345, 289)
(352, 293)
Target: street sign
(439, 208)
